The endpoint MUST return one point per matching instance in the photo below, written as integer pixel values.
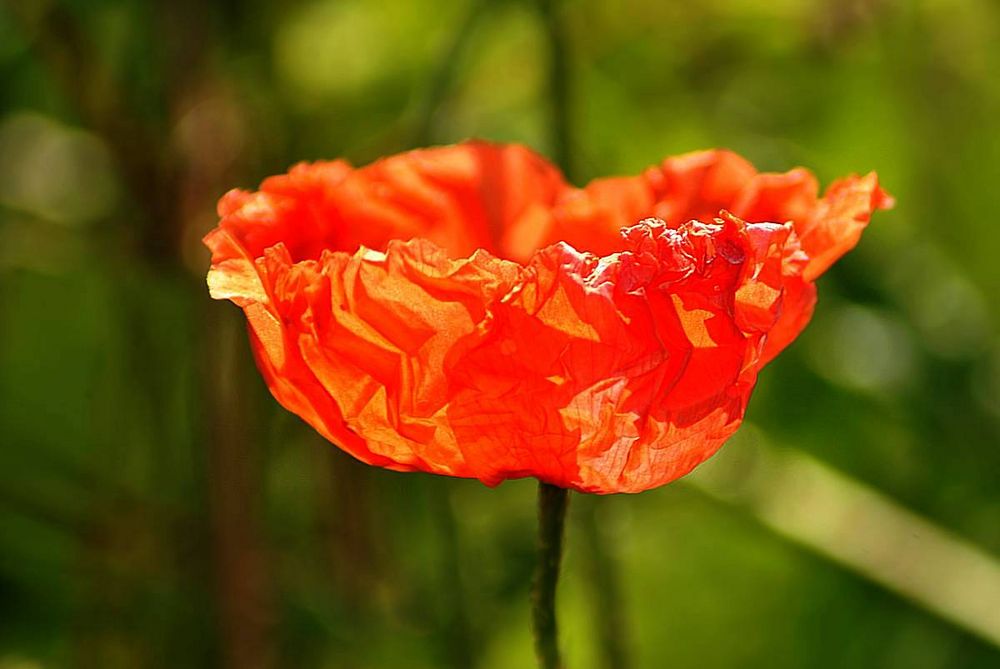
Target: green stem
(552, 502)
(559, 83)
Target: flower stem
(559, 82)
(552, 502)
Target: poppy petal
(618, 374)
(403, 310)
(839, 219)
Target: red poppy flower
(463, 311)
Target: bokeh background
(158, 509)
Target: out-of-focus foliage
(158, 509)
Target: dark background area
(157, 507)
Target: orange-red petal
(614, 359)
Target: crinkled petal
(462, 197)
(693, 186)
(839, 219)
(621, 373)
(367, 336)
(614, 359)
(604, 374)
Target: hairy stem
(552, 502)
(559, 83)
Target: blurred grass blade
(444, 75)
(865, 531)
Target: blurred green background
(157, 507)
